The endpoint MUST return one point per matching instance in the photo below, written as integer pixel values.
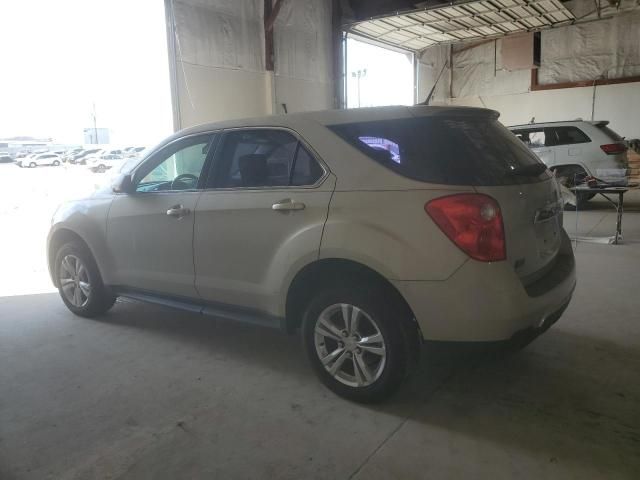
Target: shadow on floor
(566, 396)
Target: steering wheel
(181, 179)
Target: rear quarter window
(446, 150)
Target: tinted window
(306, 170)
(263, 158)
(566, 136)
(451, 150)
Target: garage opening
(377, 76)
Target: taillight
(473, 222)
(613, 148)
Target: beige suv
(369, 230)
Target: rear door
(569, 143)
(260, 217)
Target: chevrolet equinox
(369, 230)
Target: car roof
(334, 117)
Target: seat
(253, 170)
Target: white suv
(371, 230)
(43, 159)
(577, 149)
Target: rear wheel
(355, 343)
(79, 281)
(56, 163)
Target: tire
(376, 316)
(32, 165)
(56, 163)
(94, 298)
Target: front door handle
(178, 211)
(287, 205)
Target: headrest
(253, 169)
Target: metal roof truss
(463, 21)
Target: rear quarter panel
(390, 232)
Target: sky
(58, 58)
(388, 79)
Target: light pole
(95, 121)
(359, 74)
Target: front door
(261, 218)
(542, 145)
(150, 231)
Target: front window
(177, 167)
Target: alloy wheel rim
(74, 281)
(350, 345)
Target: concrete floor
(146, 392)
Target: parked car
(132, 152)
(80, 158)
(5, 158)
(105, 160)
(42, 159)
(71, 153)
(293, 221)
(577, 149)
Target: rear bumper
(487, 302)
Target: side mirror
(122, 184)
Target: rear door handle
(287, 205)
(178, 211)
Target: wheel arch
(57, 239)
(332, 271)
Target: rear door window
(447, 150)
(263, 158)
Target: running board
(223, 311)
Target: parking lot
(29, 198)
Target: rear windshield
(610, 133)
(452, 150)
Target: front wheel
(79, 281)
(355, 344)
(56, 163)
(32, 165)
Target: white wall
(620, 104)
(603, 49)
(220, 65)
(209, 94)
(303, 56)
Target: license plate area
(548, 236)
